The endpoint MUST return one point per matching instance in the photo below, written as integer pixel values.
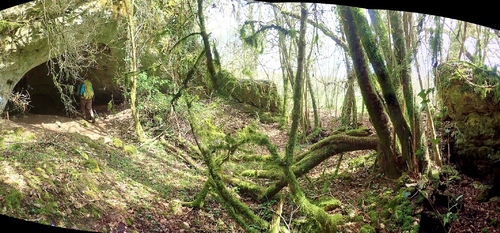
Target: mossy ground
(71, 180)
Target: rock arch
(24, 46)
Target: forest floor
(70, 173)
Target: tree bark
(348, 115)
(326, 223)
(403, 61)
(208, 49)
(464, 37)
(383, 39)
(394, 110)
(133, 70)
(374, 105)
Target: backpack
(86, 90)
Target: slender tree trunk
(311, 92)
(286, 71)
(133, 70)
(348, 111)
(336, 93)
(348, 115)
(325, 221)
(403, 62)
(486, 41)
(305, 119)
(374, 105)
(431, 131)
(208, 49)
(464, 37)
(284, 110)
(383, 39)
(314, 105)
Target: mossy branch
(322, 27)
(189, 76)
(237, 209)
(318, 153)
(199, 199)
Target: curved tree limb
(319, 152)
(317, 25)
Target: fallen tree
(306, 161)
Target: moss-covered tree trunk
(287, 73)
(348, 116)
(375, 108)
(208, 50)
(403, 62)
(307, 73)
(402, 128)
(383, 40)
(133, 70)
(326, 148)
(325, 221)
(316, 127)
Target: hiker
(86, 93)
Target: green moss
(50, 207)
(117, 143)
(130, 149)
(13, 199)
(94, 144)
(358, 218)
(92, 164)
(369, 198)
(268, 118)
(373, 216)
(400, 210)
(18, 131)
(8, 25)
(434, 174)
(49, 170)
(129, 221)
(330, 204)
(82, 153)
(337, 219)
(367, 229)
(175, 207)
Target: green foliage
(266, 209)
(400, 213)
(373, 217)
(153, 101)
(424, 95)
(252, 37)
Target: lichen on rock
(471, 99)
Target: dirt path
(102, 128)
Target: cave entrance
(45, 98)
